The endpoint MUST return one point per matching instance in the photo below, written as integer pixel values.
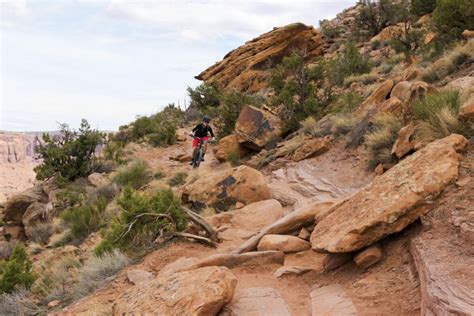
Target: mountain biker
(202, 131)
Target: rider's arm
(210, 131)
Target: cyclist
(202, 131)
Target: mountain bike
(198, 153)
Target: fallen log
(291, 222)
(201, 221)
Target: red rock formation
(246, 68)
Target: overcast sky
(109, 61)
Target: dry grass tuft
(364, 79)
(40, 233)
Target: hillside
(341, 184)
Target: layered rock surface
(246, 67)
(202, 291)
(226, 188)
(393, 201)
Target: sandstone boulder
(311, 148)
(138, 277)
(291, 270)
(331, 300)
(468, 34)
(36, 212)
(284, 243)
(464, 85)
(251, 217)
(246, 68)
(255, 128)
(377, 97)
(17, 204)
(368, 257)
(405, 142)
(408, 91)
(98, 179)
(467, 108)
(392, 105)
(229, 146)
(389, 32)
(202, 292)
(393, 201)
(256, 301)
(225, 188)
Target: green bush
(295, 87)
(422, 7)
(437, 116)
(345, 103)
(375, 15)
(136, 174)
(452, 17)
(114, 151)
(164, 134)
(178, 179)
(85, 219)
(69, 155)
(410, 42)
(16, 271)
(204, 96)
(380, 140)
(144, 218)
(328, 30)
(349, 62)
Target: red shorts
(196, 140)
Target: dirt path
(391, 285)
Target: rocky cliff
(246, 67)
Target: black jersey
(202, 130)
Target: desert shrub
(349, 62)
(345, 103)
(328, 30)
(266, 158)
(295, 87)
(160, 174)
(85, 219)
(342, 124)
(410, 42)
(357, 134)
(108, 191)
(452, 17)
(136, 174)
(376, 44)
(437, 116)
(422, 7)
(144, 217)
(56, 278)
(16, 271)
(114, 151)
(40, 233)
(452, 59)
(177, 179)
(380, 140)
(364, 79)
(385, 68)
(20, 302)
(163, 135)
(375, 15)
(233, 158)
(68, 155)
(96, 272)
(103, 166)
(204, 96)
(309, 125)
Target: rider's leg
(204, 148)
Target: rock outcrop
(331, 300)
(198, 292)
(246, 68)
(224, 189)
(406, 141)
(408, 91)
(311, 148)
(229, 146)
(393, 201)
(256, 128)
(465, 87)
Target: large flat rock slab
(256, 301)
(202, 291)
(331, 300)
(393, 200)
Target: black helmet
(206, 119)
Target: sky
(110, 61)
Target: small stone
(285, 243)
(379, 169)
(304, 234)
(335, 260)
(368, 257)
(54, 303)
(463, 181)
(293, 270)
(239, 205)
